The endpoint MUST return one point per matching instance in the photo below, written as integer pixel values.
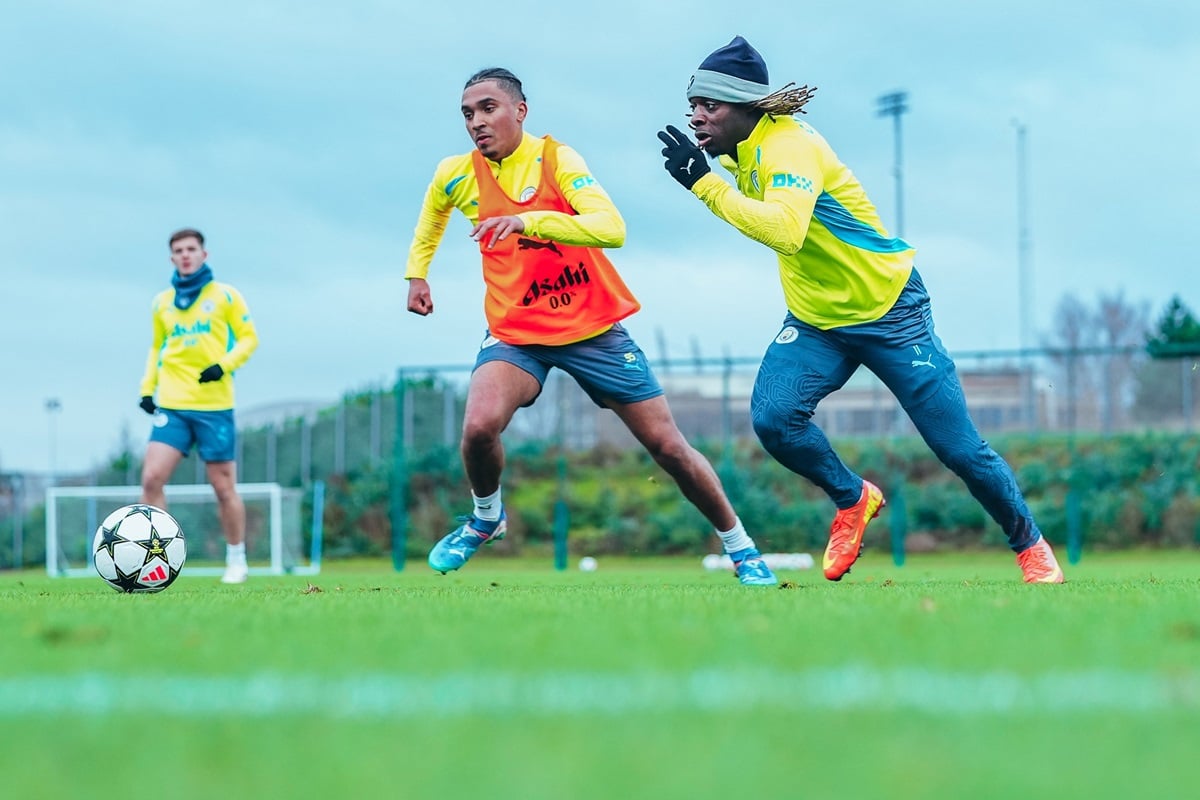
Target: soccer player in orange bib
(553, 299)
(853, 298)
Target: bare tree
(1123, 327)
(1096, 351)
(1074, 336)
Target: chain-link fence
(386, 432)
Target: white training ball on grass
(139, 548)
(588, 564)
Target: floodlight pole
(894, 105)
(1025, 269)
(1024, 241)
(53, 407)
(18, 498)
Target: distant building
(997, 396)
(275, 414)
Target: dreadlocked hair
(791, 99)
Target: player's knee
(153, 482)
(479, 432)
(672, 453)
(226, 492)
(784, 432)
(771, 426)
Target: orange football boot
(1038, 564)
(846, 535)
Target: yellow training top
(215, 329)
(837, 263)
(597, 223)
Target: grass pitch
(945, 678)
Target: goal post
(274, 533)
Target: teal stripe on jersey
(847, 228)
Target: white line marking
(459, 694)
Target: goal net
(275, 542)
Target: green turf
(945, 678)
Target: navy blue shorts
(610, 367)
(213, 432)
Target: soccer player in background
(853, 298)
(202, 333)
(552, 299)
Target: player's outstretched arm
(150, 373)
(431, 226)
(780, 220)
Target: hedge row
(1132, 490)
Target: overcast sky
(301, 137)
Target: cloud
(301, 139)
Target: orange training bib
(541, 291)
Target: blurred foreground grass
(947, 677)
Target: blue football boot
(457, 547)
(751, 569)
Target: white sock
(487, 508)
(735, 538)
(235, 553)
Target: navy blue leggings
(804, 365)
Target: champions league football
(139, 549)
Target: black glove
(147, 404)
(685, 161)
(212, 373)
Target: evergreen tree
(1166, 387)
(1177, 333)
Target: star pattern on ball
(154, 546)
(140, 508)
(108, 539)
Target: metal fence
(1045, 391)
